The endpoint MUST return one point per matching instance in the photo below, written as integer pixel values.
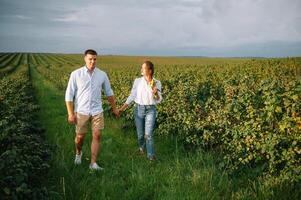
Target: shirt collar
(146, 80)
(87, 70)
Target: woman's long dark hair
(150, 66)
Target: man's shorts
(97, 122)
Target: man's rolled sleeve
(107, 87)
(71, 88)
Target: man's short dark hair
(150, 66)
(91, 51)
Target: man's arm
(71, 114)
(112, 101)
(69, 96)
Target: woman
(146, 93)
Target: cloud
(66, 18)
(22, 17)
(196, 27)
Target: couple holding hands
(83, 101)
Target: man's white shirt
(84, 89)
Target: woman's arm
(124, 107)
(131, 98)
(157, 92)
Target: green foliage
(10, 61)
(23, 153)
(249, 110)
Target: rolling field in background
(227, 128)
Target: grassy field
(127, 175)
(178, 173)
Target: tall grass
(177, 174)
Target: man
(83, 101)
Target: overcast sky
(155, 27)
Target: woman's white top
(142, 94)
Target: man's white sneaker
(78, 158)
(95, 166)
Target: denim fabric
(145, 118)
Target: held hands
(122, 108)
(116, 112)
(120, 111)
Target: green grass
(177, 174)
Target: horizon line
(154, 55)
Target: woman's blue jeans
(145, 118)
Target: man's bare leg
(95, 145)
(79, 141)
